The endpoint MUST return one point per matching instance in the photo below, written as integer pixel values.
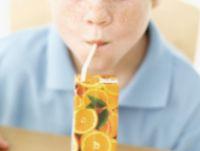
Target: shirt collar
(150, 87)
(60, 69)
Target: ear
(155, 3)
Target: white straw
(87, 63)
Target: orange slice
(111, 127)
(112, 88)
(91, 81)
(96, 141)
(114, 144)
(78, 103)
(85, 120)
(106, 128)
(112, 102)
(97, 93)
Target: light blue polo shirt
(159, 108)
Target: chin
(100, 68)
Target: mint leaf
(90, 106)
(103, 118)
(96, 102)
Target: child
(159, 98)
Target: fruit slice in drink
(95, 122)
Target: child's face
(119, 23)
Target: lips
(98, 42)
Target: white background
(193, 2)
(4, 18)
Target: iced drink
(95, 121)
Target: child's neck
(128, 65)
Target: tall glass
(95, 122)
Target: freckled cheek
(130, 21)
(124, 23)
(123, 17)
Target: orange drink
(95, 121)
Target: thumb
(3, 144)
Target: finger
(3, 144)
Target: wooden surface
(21, 140)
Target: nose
(98, 14)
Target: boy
(159, 98)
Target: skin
(121, 23)
(3, 145)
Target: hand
(3, 145)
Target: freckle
(124, 16)
(124, 19)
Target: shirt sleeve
(190, 136)
(6, 46)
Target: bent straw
(87, 63)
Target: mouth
(98, 42)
